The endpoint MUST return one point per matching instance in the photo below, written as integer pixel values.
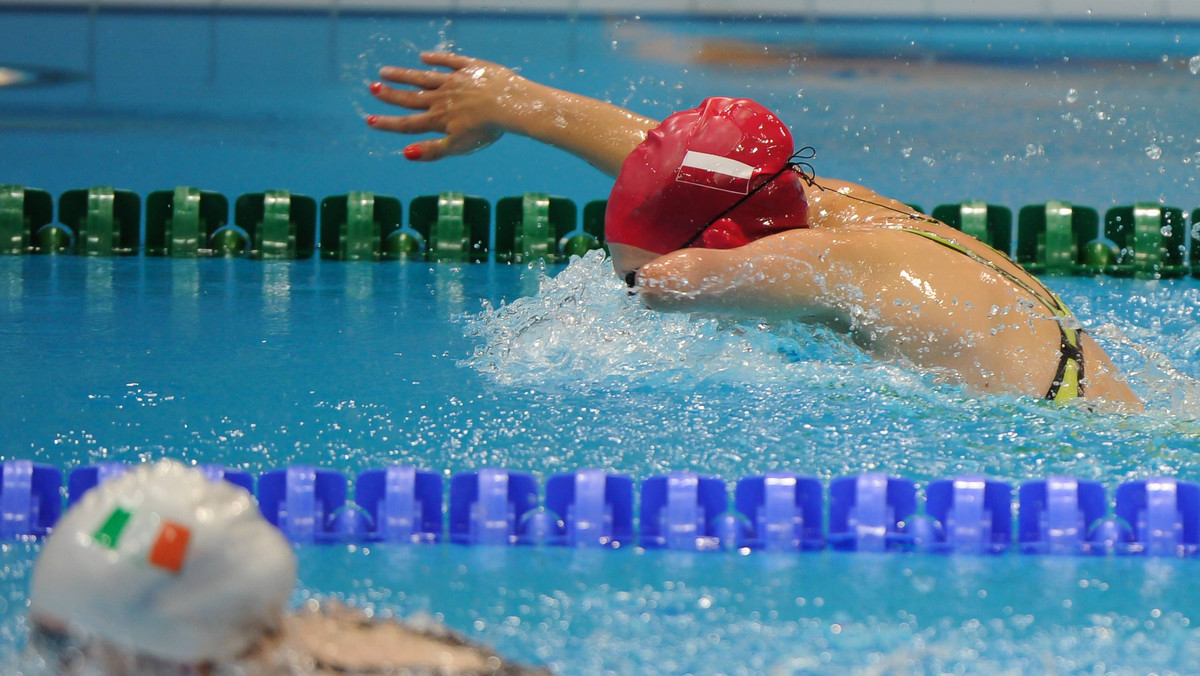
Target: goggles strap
(797, 163)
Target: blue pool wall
(1058, 10)
(164, 80)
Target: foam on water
(758, 396)
(585, 331)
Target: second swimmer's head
(164, 563)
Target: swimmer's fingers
(452, 144)
(419, 123)
(451, 60)
(425, 79)
(413, 99)
(432, 79)
(459, 140)
(473, 103)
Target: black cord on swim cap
(795, 163)
(806, 170)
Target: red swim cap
(697, 164)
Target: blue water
(260, 365)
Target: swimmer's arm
(763, 279)
(476, 102)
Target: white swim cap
(167, 563)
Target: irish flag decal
(168, 550)
(716, 172)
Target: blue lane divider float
(867, 512)
(305, 503)
(1056, 513)
(1163, 516)
(777, 512)
(489, 507)
(783, 512)
(399, 504)
(680, 511)
(975, 514)
(30, 502)
(596, 507)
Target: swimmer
(712, 212)
(162, 571)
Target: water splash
(584, 330)
(1162, 384)
(677, 392)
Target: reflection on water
(12, 284)
(99, 285)
(277, 297)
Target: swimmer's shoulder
(338, 639)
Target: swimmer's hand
(476, 102)
(472, 104)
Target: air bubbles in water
(1194, 65)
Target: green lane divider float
(1196, 243)
(358, 226)
(1150, 238)
(989, 223)
(279, 224)
(1060, 238)
(23, 212)
(105, 222)
(452, 226)
(592, 236)
(529, 227)
(537, 225)
(188, 222)
(1145, 240)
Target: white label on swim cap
(714, 171)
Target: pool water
(351, 366)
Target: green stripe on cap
(109, 533)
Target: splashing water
(738, 397)
(584, 330)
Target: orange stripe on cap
(170, 549)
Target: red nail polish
(413, 152)
(376, 87)
(372, 119)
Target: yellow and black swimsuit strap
(1037, 289)
(1068, 379)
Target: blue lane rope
(681, 511)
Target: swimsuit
(1068, 379)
